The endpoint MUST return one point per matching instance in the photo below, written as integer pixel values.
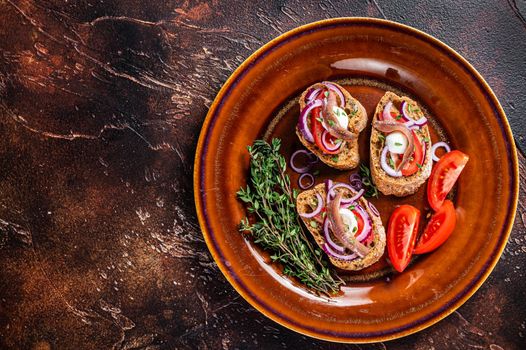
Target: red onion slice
(354, 198)
(436, 146)
(328, 144)
(328, 239)
(298, 169)
(302, 122)
(405, 113)
(421, 122)
(337, 90)
(331, 193)
(355, 180)
(373, 209)
(331, 252)
(386, 114)
(316, 211)
(383, 163)
(312, 94)
(309, 184)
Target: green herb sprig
(370, 188)
(275, 224)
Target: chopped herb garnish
(354, 229)
(313, 224)
(326, 93)
(381, 136)
(352, 207)
(419, 165)
(391, 162)
(398, 117)
(320, 119)
(409, 108)
(331, 123)
(335, 158)
(370, 188)
(316, 172)
(274, 223)
(398, 144)
(426, 139)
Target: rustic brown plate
(368, 56)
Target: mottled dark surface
(101, 103)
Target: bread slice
(405, 185)
(349, 157)
(307, 199)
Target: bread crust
(349, 157)
(378, 246)
(405, 185)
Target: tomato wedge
(443, 177)
(438, 229)
(401, 235)
(317, 131)
(359, 221)
(416, 159)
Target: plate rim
(460, 298)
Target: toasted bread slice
(404, 185)
(307, 199)
(349, 157)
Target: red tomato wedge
(401, 235)
(317, 130)
(438, 229)
(359, 221)
(416, 159)
(443, 177)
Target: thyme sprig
(275, 224)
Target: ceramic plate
(368, 57)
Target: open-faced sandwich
(343, 223)
(329, 124)
(400, 146)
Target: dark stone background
(101, 104)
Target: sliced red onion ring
(386, 114)
(436, 146)
(337, 90)
(309, 184)
(328, 185)
(331, 252)
(411, 124)
(302, 122)
(354, 198)
(328, 238)
(373, 209)
(355, 181)
(421, 122)
(316, 211)
(383, 163)
(298, 169)
(312, 94)
(328, 144)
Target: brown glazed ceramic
(367, 56)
